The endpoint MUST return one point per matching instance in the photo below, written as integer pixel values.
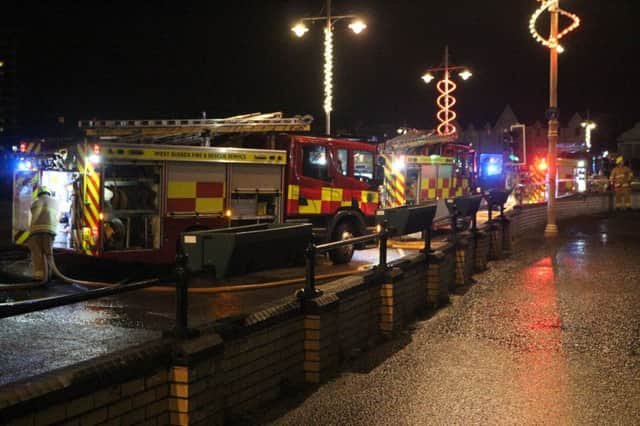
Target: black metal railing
(310, 291)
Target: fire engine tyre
(344, 254)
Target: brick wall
(122, 388)
(532, 217)
(236, 365)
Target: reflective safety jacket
(621, 177)
(43, 215)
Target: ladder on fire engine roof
(191, 130)
(415, 138)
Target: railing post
(427, 240)
(474, 222)
(384, 237)
(182, 294)
(310, 262)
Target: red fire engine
(130, 189)
(421, 166)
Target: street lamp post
(553, 6)
(357, 26)
(445, 101)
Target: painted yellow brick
(386, 310)
(386, 291)
(312, 323)
(311, 366)
(179, 390)
(179, 418)
(180, 405)
(180, 374)
(311, 345)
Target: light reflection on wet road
(549, 336)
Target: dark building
(8, 87)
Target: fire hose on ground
(58, 274)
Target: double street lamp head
(357, 26)
(464, 74)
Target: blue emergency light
(491, 165)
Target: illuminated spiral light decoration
(445, 101)
(328, 69)
(549, 42)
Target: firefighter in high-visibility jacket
(41, 234)
(620, 178)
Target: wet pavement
(549, 336)
(42, 341)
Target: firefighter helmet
(619, 160)
(43, 190)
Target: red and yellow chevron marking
(538, 188)
(327, 200)
(91, 203)
(24, 182)
(394, 184)
(199, 197)
(434, 189)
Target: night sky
(168, 59)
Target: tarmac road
(549, 336)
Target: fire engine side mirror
(380, 161)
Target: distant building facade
(491, 138)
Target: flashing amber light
(94, 231)
(542, 164)
(23, 147)
(96, 149)
(378, 228)
(101, 216)
(227, 213)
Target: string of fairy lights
(446, 115)
(328, 69)
(552, 5)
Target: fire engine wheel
(344, 254)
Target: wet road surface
(42, 341)
(549, 336)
